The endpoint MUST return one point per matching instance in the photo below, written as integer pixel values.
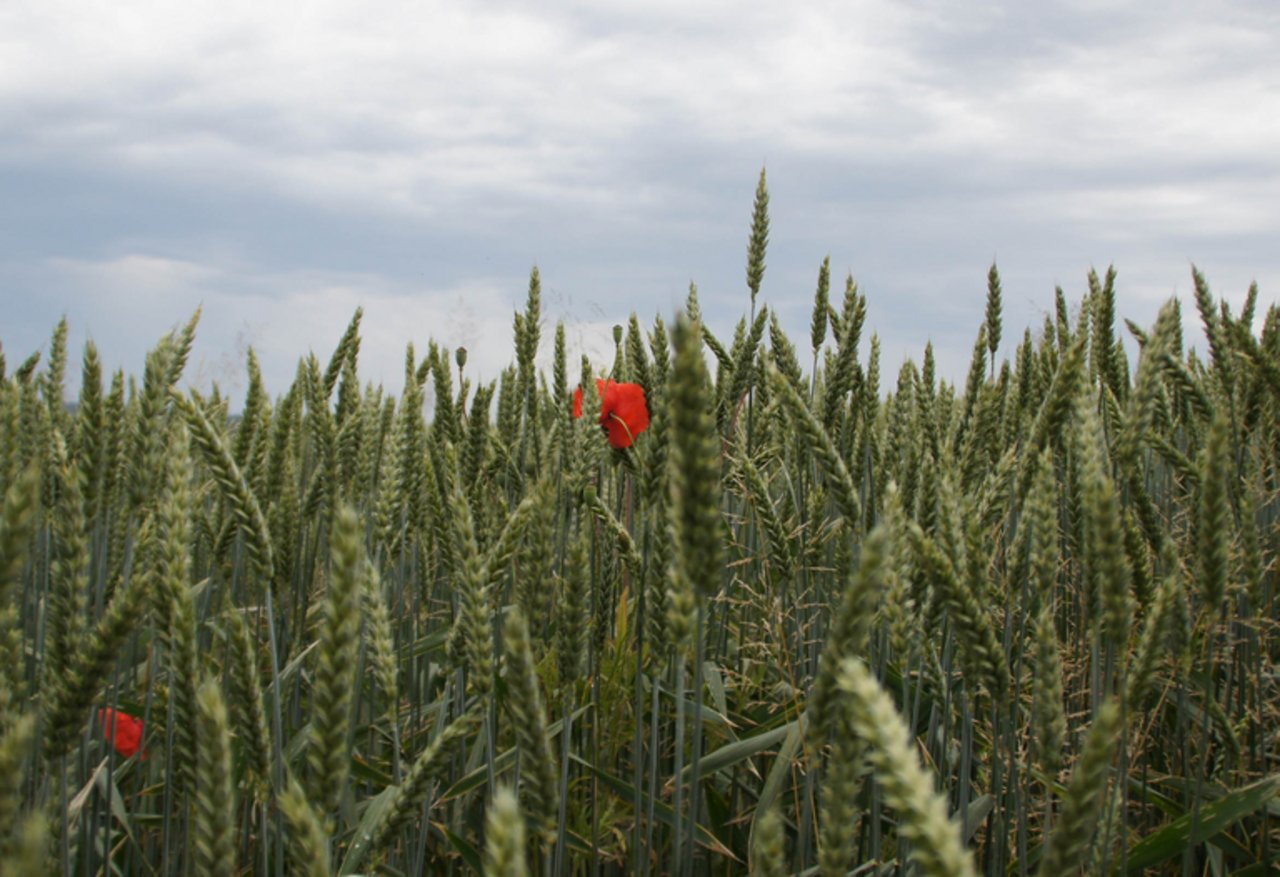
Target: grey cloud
(412, 152)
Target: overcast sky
(283, 163)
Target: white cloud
(126, 304)
(423, 106)
(918, 139)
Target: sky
(281, 164)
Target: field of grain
(800, 618)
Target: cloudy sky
(283, 163)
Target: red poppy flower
(624, 414)
(121, 730)
(623, 411)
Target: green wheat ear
(70, 701)
(768, 851)
(529, 718)
(1158, 638)
(993, 323)
(504, 837)
(694, 463)
(335, 673)
(17, 525)
(470, 645)
(231, 484)
(934, 838)
(1069, 845)
(173, 604)
(571, 612)
(1104, 555)
(405, 802)
(980, 647)
(849, 632)
(308, 842)
(246, 699)
(820, 443)
(214, 844)
(1048, 717)
(55, 373)
(844, 375)
(28, 852)
(1214, 525)
(16, 741)
(838, 806)
(380, 640)
(69, 573)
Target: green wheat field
(810, 619)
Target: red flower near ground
(624, 414)
(121, 730)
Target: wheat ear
(922, 818)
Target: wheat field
(800, 618)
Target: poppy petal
(121, 730)
(624, 413)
